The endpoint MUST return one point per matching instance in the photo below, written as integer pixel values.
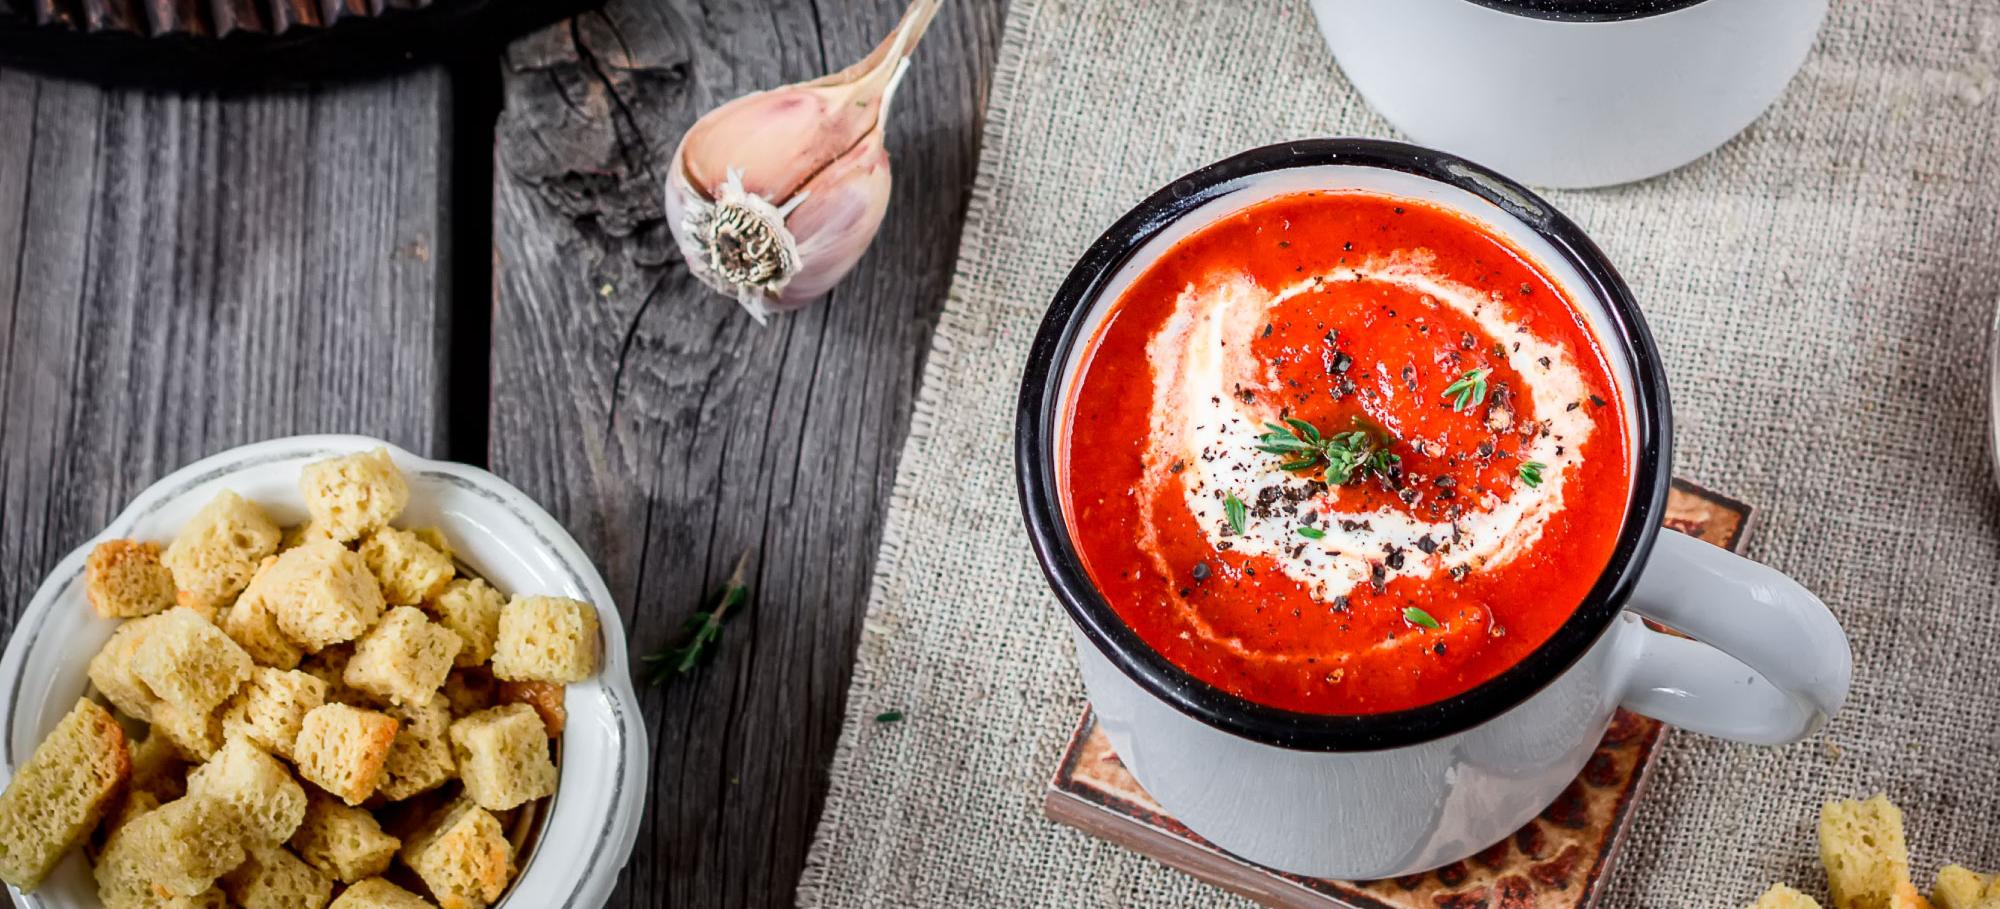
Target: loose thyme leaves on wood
(701, 632)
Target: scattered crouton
(404, 659)
(1783, 897)
(271, 707)
(545, 697)
(274, 878)
(253, 621)
(503, 756)
(344, 750)
(343, 841)
(546, 639)
(177, 849)
(421, 758)
(267, 803)
(125, 579)
(189, 663)
(1867, 860)
(60, 794)
(323, 594)
(350, 496)
(376, 893)
(1959, 887)
(471, 609)
(112, 670)
(409, 569)
(462, 855)
(216, 552)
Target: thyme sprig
(700, 633)
(1469, 390)
(1347, 456)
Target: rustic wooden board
(672, 434)
(181, 274)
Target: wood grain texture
(185, 274)
(672, 434)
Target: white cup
(1380, 795)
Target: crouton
(189, 663)
(350, 496)
(409, 570)
(177, 849)
(111, 670)
(1867, 860)
(330, 667)
(376, 893)
(462, 855)
(253, 621)
(135, 803)
(276, 879)
(435, 539)
(546, 639)
(215, 554)
(403, 659)
(545, 697)
(345, 842)
(323, 594)
(421, 758)
(271, 706)
(125, 579)
(267, 803)
(503, 756)
(1783, 897)
(344, 750)
(196, 736)
(1959, 887)
(469, 691)
(471, 609)
(62, 791)
(157, 767)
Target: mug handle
(1768, 664)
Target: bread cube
(421, 758)
(471, 609)
(1783, 897)
(345, 842)
(157, 767)
(61, 792)
(344, 750)
(462, 855)
(403, 659)
(1866, 857)
(469, 691)
(215, 554)
(350, 496)
(503, 756)
(197, 736)
(212, 898)
(253, 621)
(330, 667)
(125, 579)
(1959, 887)
(271, 706)
(177, 849)
(112, 670)
(276, 879)
(545, 697)
(190, 663)
(267, 802)
(435, 539)
(322, 594)
(546, 639)
(409, 570)
(376, 893)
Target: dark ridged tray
(247, 43)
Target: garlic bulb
(774, 196)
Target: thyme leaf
(1469, 391)
(1238, 514)
(1416, 616)
(1531, 473)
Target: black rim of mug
(1588, 10)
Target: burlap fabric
(1821, 287)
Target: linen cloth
(1821, 288)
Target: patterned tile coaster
(1557, 861)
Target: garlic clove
(773, 197)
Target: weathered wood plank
(183, 274)
(672, 434)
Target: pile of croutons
(1867, 861)
(334, 714)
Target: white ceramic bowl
(590, 824)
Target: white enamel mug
(1379, 795)
(1571, 93)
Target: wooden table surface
(470, 261)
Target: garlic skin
(773, 197)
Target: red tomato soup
(1344, 453)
